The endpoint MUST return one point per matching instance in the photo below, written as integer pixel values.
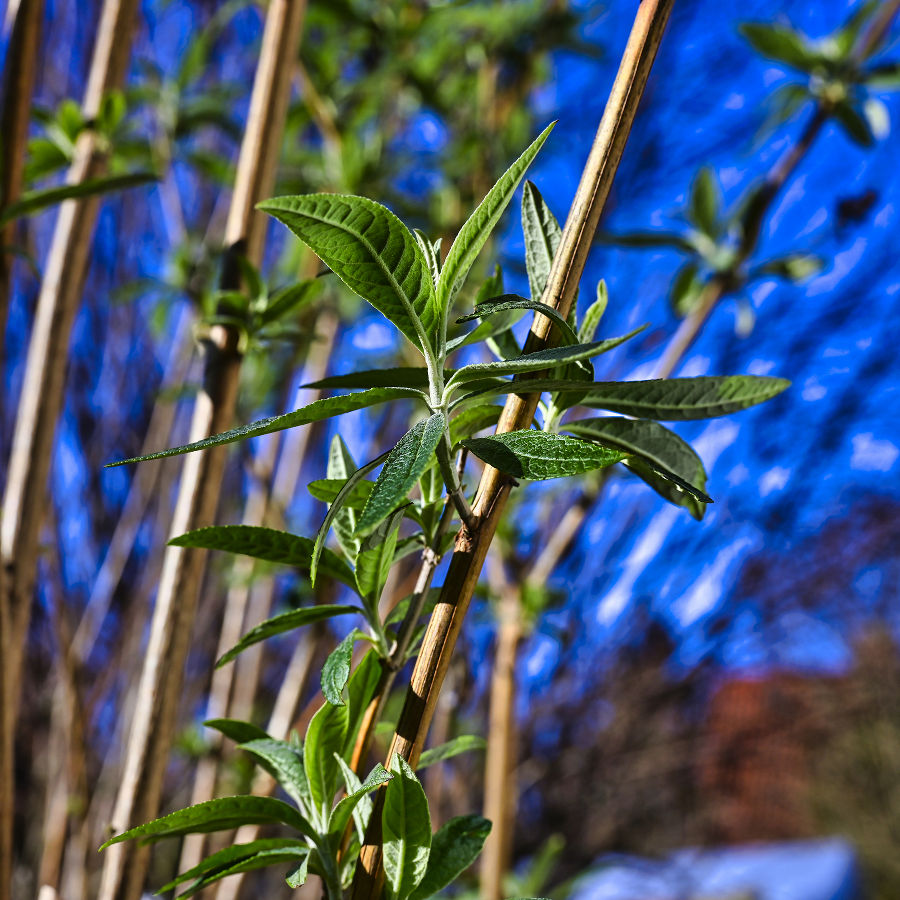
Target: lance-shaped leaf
(705, 202)
(362, 810)
(341, 466)
(506, 302)
(537, 455)
(589, 324)
(431, 250)
(336, 507)
(398, 376)
(375, 558)
(460, 744)
(240, 732)
(478, 227)
(35, 201)
(340, 815)
(285, 764)
(665, 487)
(297, 876)
(239, 858)
(542, 236)
(402, 469)
(539, 361)
(406, 830)
(683, 399)
(327, 489)
(290, 300)
(472, 420)
(660, 448)
(371, 251)
(336, 670)
(496, 330)
(324, 737)
(286, 621)
(325, 408)
(454, 847)
(267, 544)
(781, 43)
(216, 815)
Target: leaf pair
(377, 256)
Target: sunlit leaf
(406, 830)
(454, 847)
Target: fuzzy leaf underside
(371, 251)
(402, 469)
(542, 236)
(537, 455)
(314, 412)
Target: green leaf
(341, 467)
(371, 251)
(267, 544)
(496, 330)
(536, 362)
(454, 847)
(780, 43)
(398, 376)
(542, 236)
(215, 815)
(402, 469)
(470, 421)
(327, 489)
(290, 300)
(686, 289)
(431, 252)
(594, 314)
(705, 202)
(361, 689)
(406, 830)
(297, 876)
(286, 621)
(854, 123)
(324, 737)
(240, 732)
(325, 408)
(35, 201)
(461, 744)
(506, 302)
(337, 507)
(362, 810)
(683, 399)
(475, 232)
(239, 858)
(666, 488)
(374, 560)
(793, 267)
(537, 455)
(883, 77)
(285, 764)
(336, 670)
(661, 449)
(649, 239)
(340, 815)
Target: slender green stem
(451, 480)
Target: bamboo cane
(472, 545)
(156, 706)
(41, 400)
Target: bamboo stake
(18, 88)
(41, 400)
(472, 545)
(159, 690)
(497, 856)
(260, 508)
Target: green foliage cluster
(400, 274)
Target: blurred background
(699, 708)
